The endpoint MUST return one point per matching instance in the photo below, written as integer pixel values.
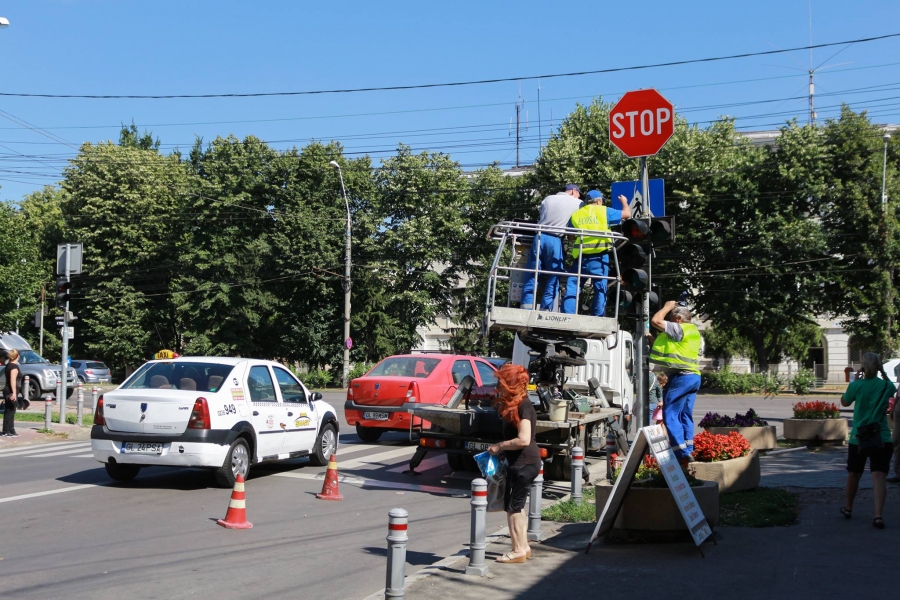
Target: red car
(376, 402)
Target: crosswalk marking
(60, 453)
(18, 448)
(83, 456)
(45, 451)
(371, 461)
(345, 449)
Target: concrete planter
(734, 475)
(760, 438)
(654, 509)
(826, 431)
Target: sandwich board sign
(654, 440)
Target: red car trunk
(381, 391)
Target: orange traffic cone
(236, 517)
(330, 487)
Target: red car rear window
(405, 366)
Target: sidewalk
(28, 434)
(808, 560)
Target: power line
(449, 84)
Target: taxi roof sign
(165, 354)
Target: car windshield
(96, 365)
(182, 375)
(405, 366)
(30, 357)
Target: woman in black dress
(521, 453)
(10, 395)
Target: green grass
(762, 507)
(87, 419)
(569, 511)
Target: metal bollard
(477, 543)
(62, 418)
(577, 466)
(610, 451)
(48, 413)
(95, 393)
(79, 418)
(534, 507)
(26, 389)
(397, 538)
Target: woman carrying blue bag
(521, 452)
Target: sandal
(846, 512)
(528, 553)
(878, 523)
(509, 557)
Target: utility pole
(812, 93)
(518, 137)
(64, 361)
(348, 342)
(43, 299)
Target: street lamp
(887, 139)
(348, 343)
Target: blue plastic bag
(487, 463)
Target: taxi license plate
(141, 448)
(376, 416)
(478, 446)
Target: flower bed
(817, 422)
(651, 512)
(726, 460)
(757, 431)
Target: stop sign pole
(640, 124)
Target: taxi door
(269, 415)
(300, 435)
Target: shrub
(771, 384)
(743, 383)
(320, 378)
(712, 447)
(803, 381)
(360, 369)
(751, 419)
(816, 410)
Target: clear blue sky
(201, 46)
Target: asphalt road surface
(67, 531)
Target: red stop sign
(641, 123)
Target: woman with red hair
(522, 454)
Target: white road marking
(34, 447)
(75, 447)
(426, 465)
(83, 456)
(345, 449)
(60, 453)
(50, 492)
(374, 483)
(370, 462)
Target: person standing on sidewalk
(871, 396)
(11, 394)
(677, 348)
(556, 210)
(522, 454)
(592, 252)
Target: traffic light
(63, 292)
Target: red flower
(711, 447)
(816, 410)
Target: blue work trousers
(592, 264)
(678, 411)
(551, 259)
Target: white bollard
(62, 417)
(577, 466)
(48, 413)
(95, 393)
(398, 520)
(477, 544)
(79, 418)
(26, 390)
(534, 507)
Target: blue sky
(200, 46)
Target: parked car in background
(91, 371)
(42, 374)
(377, 401)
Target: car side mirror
(315, 396)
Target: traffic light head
(63, 292)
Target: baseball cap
(571, 187)
(595, 195)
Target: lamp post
(887, 140)
(347, 343)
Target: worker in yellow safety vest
(593, 251)
(677, 349)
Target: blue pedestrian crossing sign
(632, 190)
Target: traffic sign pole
(644, 399)
(64, 363)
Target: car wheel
(34, 391)
(121, 472)
(558, 469)
(368, 434)
(237, 462)
(81, 379)
(326, 445)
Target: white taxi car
(221, 413)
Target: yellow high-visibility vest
(683, 355)
(590, 216)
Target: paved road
(67, 532)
